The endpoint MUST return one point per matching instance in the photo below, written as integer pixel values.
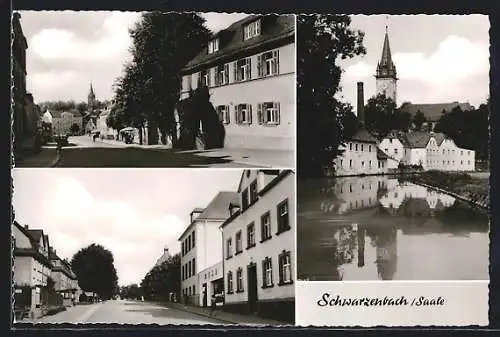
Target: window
(269, 113)
(222, 74)
(369, 148)
(265, 227)
(283, 218)
(386, 150)
(229, 248)
(251, 30)
(204, 78)
(350, 146)
(193, 266)
(267, 272)
(213, 46)
(242, 70)
(243, 114)
(253, 191)
(244, 199)
(223, 113)
(268, 63)
(350, 163)
(395, 151)
(362, 148)
(251, 235)
(239, 280)
(182, 248)
(193, 238)
(229, 282)
(356, 147)
(239, 247)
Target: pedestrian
(213, 305)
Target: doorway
(252, 287)
(205, 299)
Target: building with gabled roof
(259, 246)
(65, 281)
(201, 249)
(249, 70)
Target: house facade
(249, 69)
(64, 278)
(430, 150)
(259, 246)
(62, 122)
(201, 249)
(32, 268)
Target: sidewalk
(228, 317)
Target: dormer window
(213, 45)
(251, 30)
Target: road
(126, 312)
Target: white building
(432, 151)
(249, 69)
(201, 249)
(32, 268)
(259, 246)
(164, 257)
(361, 154)
(102, 126)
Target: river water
(381, 228)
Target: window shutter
(277, 112)
(281, 259)
(259, 65)
(226, 73)
(249, 68)
(235, 70)
(259, 114)
(237, 114)
(264, 272)
(276, 55)
(228, 115)
(249, 109)
(216, 77)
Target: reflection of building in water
(399, 194)
(354, 193)
(385, 240)
(361, 246)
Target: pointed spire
(385, 67)
(91, 88)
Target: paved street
(126, 312)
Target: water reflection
(381, 228)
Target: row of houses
(428, 150)
(239, 250)
(42, 280)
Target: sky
(69, 49)
(134, 213)
(438, 58)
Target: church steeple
(385, 67)
(91, 99)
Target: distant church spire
(386, 67)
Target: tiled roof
(433, 112)
(218, 208)
(274, 28)
(419, 139)
(362, 135)
(381, 155)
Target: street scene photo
(154, 246)
(153, 89)
(393, 147)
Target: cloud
(447, 74)
(218, 21)
(76, 219)
(56, 43)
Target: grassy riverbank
(472, 187)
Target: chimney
(361, 105)
(26, 227)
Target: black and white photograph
(393, 147)
(153, 89)
(154, 246)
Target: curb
(200, 314)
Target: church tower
(91, 99)
(386, 72)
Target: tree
(382, 116)
(75, 128)
(95, 270)
(321, 41)
(163, 280)
(419, 120)
(162, 44)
